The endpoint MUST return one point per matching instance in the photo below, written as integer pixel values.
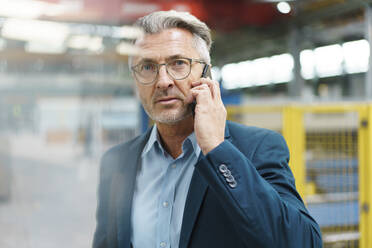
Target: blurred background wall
(302, 68)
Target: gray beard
(170, 119)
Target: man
(193, 179)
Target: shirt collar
(194, 143)
(154, 138)
(151, 141)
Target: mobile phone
(206, 73)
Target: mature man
(193, 179)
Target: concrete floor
(53, 198)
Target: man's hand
(210, 114)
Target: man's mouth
(167, 100)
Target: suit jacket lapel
(197, 190)
(195, 197)
(123, 186)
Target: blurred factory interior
(66, 96)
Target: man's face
(167, 100)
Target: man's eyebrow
(177, 56)
(146, 60)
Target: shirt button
(163, 244)
(174, 166)
(165, 204)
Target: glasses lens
(179, 68)
(145, 72)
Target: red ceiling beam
(219, 14)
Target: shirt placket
(165, 206)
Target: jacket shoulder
(118, 149)
(249, 138)
(113, 157)
(241, 131)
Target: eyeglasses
(146, 72)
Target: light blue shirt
(160, 193)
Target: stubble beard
(165, 116)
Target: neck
(172, 135)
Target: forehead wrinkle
(172, 57)
(168, 43)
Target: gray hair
(158, 21)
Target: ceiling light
(284, 7)
(78, 41)
(21, 9)
(128, 32)
(37, 31)
(95, 44)
(356, 56)
(44, 47)
(125, 48)
(329, 60)
(32, 9)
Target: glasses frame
(191, 61)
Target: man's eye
(178, 62)
(148, 67)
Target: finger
(201, 81)
(214, 86)
(202, 87)
(206, 81)
(201, 93)
(194, 85)
(210, 85)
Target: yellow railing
(331, 159)
(365, 177)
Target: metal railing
(331, 159)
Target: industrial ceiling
(242, 29)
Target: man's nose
(164, 80)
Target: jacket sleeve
(264, 203)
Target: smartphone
(206, 73)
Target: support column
(368, 36)
(365, 174)
(296, 86)
(294, 133)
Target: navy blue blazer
(262, 210)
